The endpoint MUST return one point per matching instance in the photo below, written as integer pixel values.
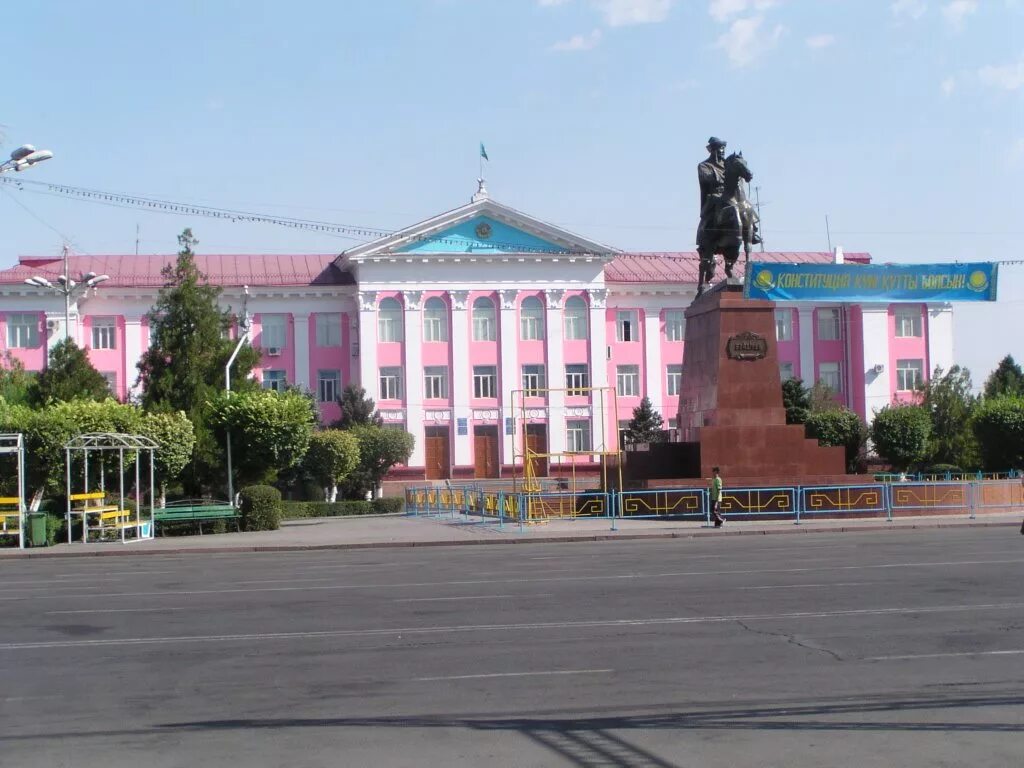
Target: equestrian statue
(727, 219)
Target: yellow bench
(108, 518)
(10, 516)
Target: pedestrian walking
(715, 496)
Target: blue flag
(483, 152)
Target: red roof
(225, 269)
(681, 267)
(318, 269)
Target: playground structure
(12, 507)
(101, 516)
(597, 449)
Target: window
(623, 431)
(328, 386)
(675, 325)
(389, 320)
(673, 380)
(22, 330)
(784, 324)
(111, 377)
(828, 374)
(627, 325)
(273, 334)
(435, 382)
(785, 371)
(577, 379)
(908, 322)
(485, 381)
(483, 320)
(390, 383)
(577, 435)
(104, 333)
(531, 319)
(575, 318)
(909, 374)
(533, 380)
(627, 380)
(274, 380)
(828, 325)
(328, 329)
(435, 320)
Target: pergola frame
(113, 441)
(14, 443)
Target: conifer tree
(69, 376)
(646, 425)
(1006, 379)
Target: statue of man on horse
(727, 219)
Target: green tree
(1006, 379)
(183, 368)
(174, 434)
(270, 430)
(380, 448)
(333, 455)
(357, 408)
(999, 429)
(16, 384)
(646, 426)
(69, 376)
(839, 427)
(796, 399)
(948, 399)
(900, 434)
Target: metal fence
(476, 505)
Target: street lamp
(24, 157)
(65, 286)
(246, 327)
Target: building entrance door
(485, 450)
(535, 441)
(438, 455)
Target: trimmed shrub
(261, 508)
(900, 434)
(296, 510)
(839, 427)
(388, 506)
(999, 426)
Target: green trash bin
(36, 529)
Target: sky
(900, 121)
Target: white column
(302, 376)
(807, 345)
(555, 356)
(54, 331)
(508, 340)
(367, 341)
(652, 359)
(604, 434)
(940, 337)
(132, 352)
(461, 378)
(413, 301)
(875, 328)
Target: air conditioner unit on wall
(273, 351)
(52, 325)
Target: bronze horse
(730, 223)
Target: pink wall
(481, 352)
(531, 352)
(857, 362)
(907, 348)
(826, 351)
(108, 360)
(438, 353)
(286, 360)
(577, 351)
(671, 354)
(33, 359)
(789, 351)
(329, 359)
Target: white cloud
(913, 8)
(579, 42)
(955, 12)
(744, 42)
(820, 41)
(548, 3)
(1009, 77)
(948, 86)
(624, 13)
(723, 10)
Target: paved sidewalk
(402, 531)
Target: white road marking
(810, 586)
(116, 610)
(944, 655)
(461, 628)
(515, 674)
(467, 597)
(525, 580)
(366, 565)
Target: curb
(700, 533)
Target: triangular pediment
(482, 228)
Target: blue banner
(871, 282)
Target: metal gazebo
(12, 508)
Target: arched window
(575, 318)
(389, 320)
(531, 319)
(483, 320)
(435, 320)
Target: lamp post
(65, 286)
(24, 157)
(245, 327)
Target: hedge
(298, 509)
(261, 508)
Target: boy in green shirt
(715, 495)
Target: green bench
(197, 511)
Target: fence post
(611, 509)
(798, 500)
(887, 495)
(973, 488)
(501, 510)
(521, 503)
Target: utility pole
(757, 206)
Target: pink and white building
(442, 321)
